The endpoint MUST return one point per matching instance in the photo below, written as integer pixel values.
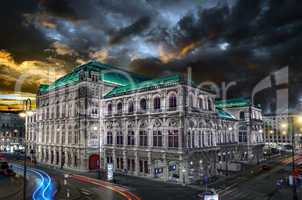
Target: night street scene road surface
(151, 100)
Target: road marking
(118, 189)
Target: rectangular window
(143, 138)
(131, 138)
(119, 138)
(173, 138)
(157, 139)
(109, 138)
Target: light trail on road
(120, 190)
(44, 185)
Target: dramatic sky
(221, 40)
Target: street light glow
(22, 114)
(300, 119)
(284, 125)
(29, 113)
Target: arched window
(143, 104)
(120, 107)
(172, 102)
(156, 103)
(109, 109)
(130, 107)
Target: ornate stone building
(162, 128)
(64, 131)
(250, 127)
(276, 130)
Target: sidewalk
(285, 194)
(10, 187)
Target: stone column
(49, 156)
(114, 160)
(150, 137)
(60, 156)
(72, 158)
(165, 170)
(165, 138)
(136, 172)
(83, 162)
(66, 158)
(183, 171)
(124, 159)
(104, 159)
(150, 164)
(55, 156)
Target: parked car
(5, 169)
(266, 167)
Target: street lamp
(183, 176)
(27, 112)
(290, 129)
(22, 114)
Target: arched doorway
(94, 162)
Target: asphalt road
(261, 186)
(43, 182)
(40, 186)
(84, 188)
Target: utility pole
(27, 112)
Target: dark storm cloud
(15, 37)
(135, 28)
(58, 7)
(221, 40)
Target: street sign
(205, 179)
(211, 197)
(290, 180)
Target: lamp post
(27, 112)
(290, 129)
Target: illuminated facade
(276, 131)
(11, 131)
(162, 128)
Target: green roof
(108, 74)
(233, 103)
(149, 84)
(225, 115)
